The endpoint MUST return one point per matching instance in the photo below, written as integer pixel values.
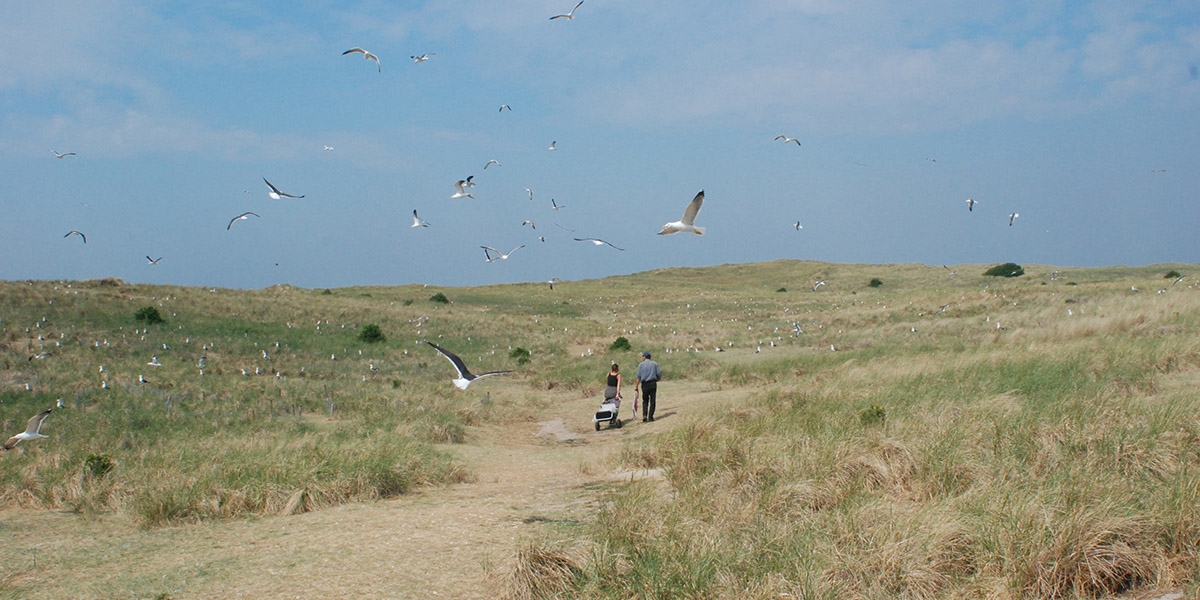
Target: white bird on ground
(154, 261)
(422, 58)
(461, 193)
(154, 362)
(787, 139)
(78, 233)
(33, 430)
(688, 222)
(62, 155)
(598, 242)
(971, 202)
(492, 162)
(275, 194)
(241, 217)
(500, 255)
(366, 55)
(569, 16)
(418, 221)
(142, 379)
(553, 145)
(1011, 217)
(465, 377)
(59, 404)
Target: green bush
(782, 289)
(99, 464)
(621, 344)
(1005, 270)
(439, 297)
(149, 314)
(873, 415)
(520, 354)
(371, 334)
(1172, 274)
(876, 282)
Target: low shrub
(149, 314)
(439, 298)
(621, 344)
(371, 334)
(1005, 270)
(520, 354)
(876, 282)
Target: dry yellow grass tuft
(541, 571)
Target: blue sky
(1084, 117)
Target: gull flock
(465, 189)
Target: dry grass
(540, 571)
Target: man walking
(648, 375)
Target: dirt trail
(453, 542)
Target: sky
(1081, 117)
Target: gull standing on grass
(569, 16)
(366, 55)
(78, 233)
(33, 430)
(417, 221)
(688, 222)
(465, 377)
(275, 194)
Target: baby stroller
(608, 412)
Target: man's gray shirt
(648, 371)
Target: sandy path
(534, 479)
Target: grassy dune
(941, 435)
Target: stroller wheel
(597, 425)
(617, 423)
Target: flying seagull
(530, 194)
(328, 148)
(1011, 217)
(688, 222)
(529, 223)
(366, 55)
(553, 280)
(569, 16)
(417, 221)
(62, 155)
(461, 193)
(78, 233)
(245, 215)
(422, 58)
(275, 194)
(971, 202)
(598, 242)
(504, 106)
(487, 249)
(553, 145)
(154, 261)
(468, 181)
(33, 430)
(492, 162)
(556, 205)
(787, 139)
(465, 377)
(799, 226)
